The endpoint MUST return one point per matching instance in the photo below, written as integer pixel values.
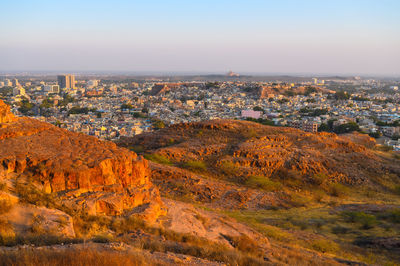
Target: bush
(318, 195)
(246, 244)
(196, 166)
(319, 179)
(43, 240)
(397, 189)
(291, 178)
(385, 148)
(299, 201)
(7, 234)
(264, 183)
(392, 215)
(338, 190)
(229, 168)
(103, 238)
(367, 221)
(30, 194)
(340, 230)
(325, 246)
(158, 158)
(137, 148)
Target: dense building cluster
(110, 108)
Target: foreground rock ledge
(85, 172)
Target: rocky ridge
(85, 173)
(255, 149)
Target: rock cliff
(86, 173)
(5, 114)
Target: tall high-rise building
(7, 83)
(66, 81)
(15, 83)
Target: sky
(202, 36)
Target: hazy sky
(265, 36)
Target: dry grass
(173, 242)
(263, 183)
(70, 258)
(7, 233)
(196, 166)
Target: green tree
(342, 95)
(25, 106)
(126, 106)
(258, 108)
(324, 127)
(375, 134)
(310, 90)
(138, 115)
(46, 103)
(66, 100)
(78, 110)
(347, 128)
(158, 124)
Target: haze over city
(286, 37)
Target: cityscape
(125, 107)
(200, 133)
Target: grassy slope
(319, 223)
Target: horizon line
(193, 73)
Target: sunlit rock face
(85, 172)
(5, 115)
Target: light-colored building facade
(66, 81)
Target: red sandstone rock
(94, 174)
(254, 149)
(5, 115)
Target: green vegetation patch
(263, 183)
(158, 158)
(197, 166)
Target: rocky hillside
(61, 187)
(249, 165)
(84, 173)
(232, 193)
(292, 186)
(251, 149)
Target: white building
(92, 83)
(51, 88)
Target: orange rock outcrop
(5, 115)
(86, 173)
(251, 149)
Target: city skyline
(289, 37)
